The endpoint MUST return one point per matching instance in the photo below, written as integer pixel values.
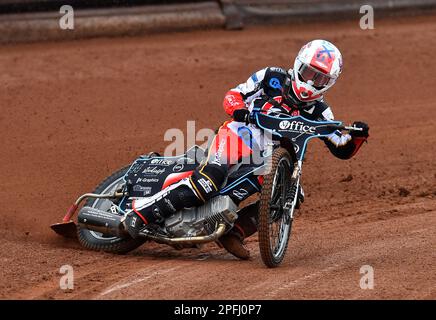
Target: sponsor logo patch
(153, 171)
(206, 185)
(275, 83)
(276, 69)
(147, 180)
(219, 152)
(240, 194)
(162, 162)
(178, 167)
(144, 190)
(296, 126)
(285, 124)
(132, 224)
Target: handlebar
(251, 119)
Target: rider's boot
(154, 209)
(233, 242)
(244, 226)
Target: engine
(204, 219)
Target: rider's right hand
(365, 129)
(241, 115)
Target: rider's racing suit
(263, 90)
(268, 83)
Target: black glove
(241, 115)
(364, 133)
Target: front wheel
(275, 222)
(100, 242)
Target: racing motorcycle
(100, 220)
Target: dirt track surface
(72, 113)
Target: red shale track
(74, 112)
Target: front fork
(292, 196)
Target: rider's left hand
(364, 133)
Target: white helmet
(316, 68)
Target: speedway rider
(298, 91)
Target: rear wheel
(274, 219)
(100, 242)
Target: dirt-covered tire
(270, 257)
(95, 241)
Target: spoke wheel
(274, 219)
(100, 242)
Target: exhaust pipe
(101, 221)
(219, 231)
(67, 228)
(111, 224)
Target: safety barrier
(39, 20)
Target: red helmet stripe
(323, 59)
(309, 93)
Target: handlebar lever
(351, 128)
